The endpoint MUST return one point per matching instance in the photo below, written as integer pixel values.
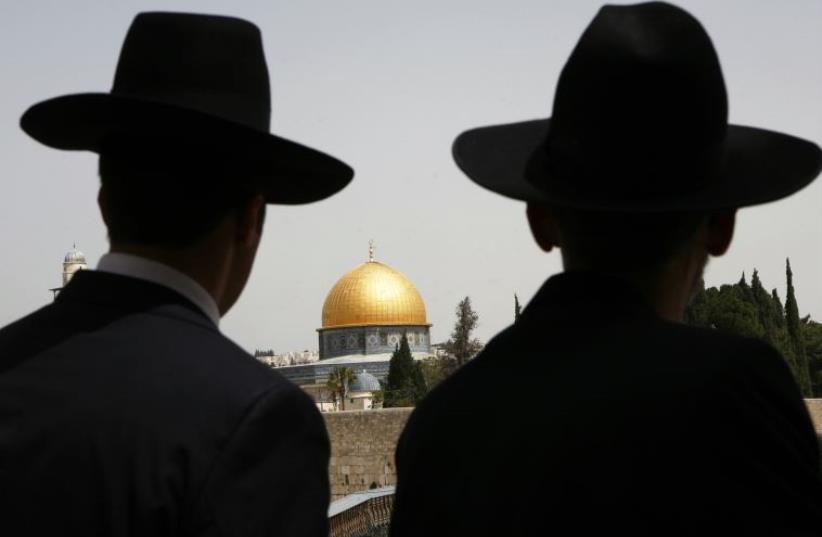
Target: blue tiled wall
(371, 340)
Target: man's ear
(249, 218)
(720, 232)
(543, 226)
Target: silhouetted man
(598, 412)
(123, 410)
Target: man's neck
(208, 271)
(667, 289)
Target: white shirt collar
(155, 272)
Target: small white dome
(75, 256)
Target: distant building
(360, 394)
(290, 358)
(364, 316)
(74, 261)
(361, 391)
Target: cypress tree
(783, 340)
(745, 291)
(801, 372)
(405, 384)
(765, 308)
(779, 311)
(517, 308)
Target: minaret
(72, 262)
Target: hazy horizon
(386, 87)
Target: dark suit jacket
(593, 416)
(123, 411)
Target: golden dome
(373, 294)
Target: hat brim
(758, 166)
(287, 172)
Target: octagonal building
(368, 310)
(364, 316)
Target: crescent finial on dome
(371, 251)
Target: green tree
(732, 310)
(337, 384)
(435, 369)
(697, 313)
(812, 339)
(377, 399)
(461, 345)
(749, 310)
(405, 385)
(780, 315)
(794, 332)
(770, 313)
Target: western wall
(362, 448)
(363, 443)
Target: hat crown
(641, 99)
(208, 63)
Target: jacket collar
(589, 293)
(162, 274)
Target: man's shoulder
(716, 349)
(31, 334)
(523, 365)
(178, 340)
(166, 346)
(637, 339)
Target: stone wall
(815, 409)
(362, 448)
(363, 444)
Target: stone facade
(362, 448)
(815, 409)
(366, 340)
(363, 445)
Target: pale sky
(386, 86)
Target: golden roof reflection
(373, 294)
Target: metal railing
(362, 514)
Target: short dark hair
(168, 198)
(624, 241)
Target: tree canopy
(749, 310)
(461, 346)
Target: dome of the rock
(373, 294)
(368, 312)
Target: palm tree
(338, 381)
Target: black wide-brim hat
(197, 81)
(639, 124)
